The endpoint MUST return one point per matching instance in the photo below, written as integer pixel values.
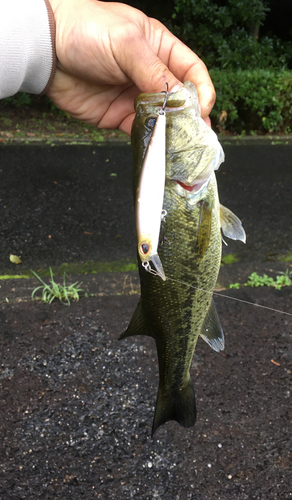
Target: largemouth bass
(177, 310)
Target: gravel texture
(77, 406)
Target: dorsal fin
(137, 324)
(231, 225)
(211, 330)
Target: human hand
(108, 53)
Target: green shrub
(17, 100)
(31, 100)
(226, 34)
(247, 100)
(252, 100)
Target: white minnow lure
(150, 194)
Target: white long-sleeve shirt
(27, 46)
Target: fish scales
(177, 311)
(174, 305)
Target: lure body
(149, 197)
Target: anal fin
(211, 330)
(137, 325)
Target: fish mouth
(195, 185)
(194, 188)
(176, 101)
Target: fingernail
(177, 87)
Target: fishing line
(228, 297)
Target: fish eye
(150, 122)
(145, 248)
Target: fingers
(208, 121)
(159, 57)
(186, 65)
(144, 67)
(206, 91)
(126, 124)
(101, 106)
(119, 48)
(120, 112)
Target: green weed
(234, 285)
(286, 258)
(255, 280)
(281, 280)
(64, 293)
(230, 258)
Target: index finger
(186, 65)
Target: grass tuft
(64, 293)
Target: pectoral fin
(204, 229)
(211, 330)
(137, 324)
(231, 225)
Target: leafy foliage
(255, 281)
(253, 85)
(281, 280)
(252, 100)
(17, 100)
(32, 100)
(234, 285)
(225, 33)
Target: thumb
(146, 70)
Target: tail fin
(180, 406)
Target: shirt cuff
(27, 46)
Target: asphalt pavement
(72, 204)
(76, 405)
